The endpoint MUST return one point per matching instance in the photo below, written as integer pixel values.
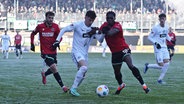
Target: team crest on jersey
(52, 29)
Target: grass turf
(20, 81)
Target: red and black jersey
(18, 39)
(173, 38)
(47, 36)
(116, 42)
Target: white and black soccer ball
(102, 90)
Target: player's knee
(166, 61)
(161, 64)
(53, 68)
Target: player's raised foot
(120, 88)
(161, 82)
(74, 92)
(65, 89)
(146, 89)
(146, 68)
(44, 80)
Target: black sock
(58, 78)
(17, 53)
(119, 78)
(171, 55)
(48, 72)
(137, 75)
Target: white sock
(154, 66)
(163, 71)
(103, 53)
(79, 76)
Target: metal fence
(133, 21)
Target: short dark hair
(111, 12)
(49, 13)
(162, 15)
(91, 14)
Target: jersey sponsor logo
(162, 35)
(47, 34)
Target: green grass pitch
(20, 81)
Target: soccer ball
(102, 90)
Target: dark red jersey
(18, 39)
(173, 38)
(47, 36)
(116, 42)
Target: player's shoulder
(104, 24)
(117, 24)
(55, 24)
(155, 27)
(79, 23)
(41, 25)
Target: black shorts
(170, 48)
(18, 46)
(118, 57)
(49, 59)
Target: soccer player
(5, 42)
(158, 36)
(82, 37)
(48, 32)
(170, 45)
(17, 42)
(120, 51)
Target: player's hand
(94, 30)
(33, 47)
(105, 29)
(157, 45)
(55, 45)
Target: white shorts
(5, 47)
(76, 57)
(161, 54)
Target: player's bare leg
(136, 73)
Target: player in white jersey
(5, 41)
(158, 36)
(82, 37)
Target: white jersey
(159, 34)
(80, 44)
(5, 40)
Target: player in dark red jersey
(120, 51)
(48, 32)
(170, 45)
(17, 42)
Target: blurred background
(136, 16)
